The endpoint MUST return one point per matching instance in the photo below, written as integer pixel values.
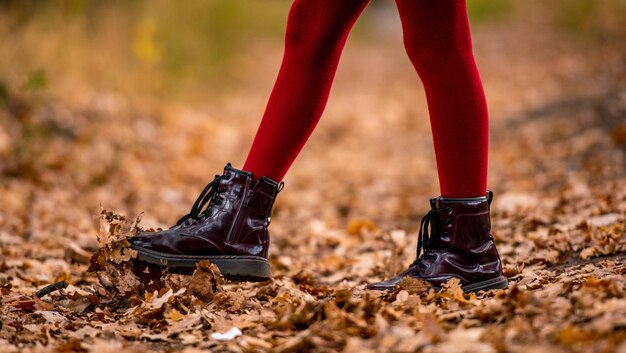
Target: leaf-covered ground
(349, 213)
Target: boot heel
(248, 268)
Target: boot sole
(499, 282)
(242, 267)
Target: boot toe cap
(140, 242)
(147, 240)
(388, 285)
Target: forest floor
(348, 215)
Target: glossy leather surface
(461, 247)
(235, 224)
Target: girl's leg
(454, 237)
(316, 33)
(438, 41)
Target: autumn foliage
(87, 159)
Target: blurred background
(135, 105)
(162, 49)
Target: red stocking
(438, 40)
(316, 33)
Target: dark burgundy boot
(459, 246)
(227, 226)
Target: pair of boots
(228, 224)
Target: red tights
(438, 41)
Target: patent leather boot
(459, 246)
(227, 226)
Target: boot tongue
(434, 201)
(229, 168)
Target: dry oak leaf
(414, 285)
(452, 289)
(205, 281)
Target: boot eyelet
(449, 210)
(445, 234)
(447, 222)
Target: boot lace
(208, 196)
(428, 235)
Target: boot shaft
(249, 206)
(249, 232)
(463, 223)
(242, 195)
(260, 200)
